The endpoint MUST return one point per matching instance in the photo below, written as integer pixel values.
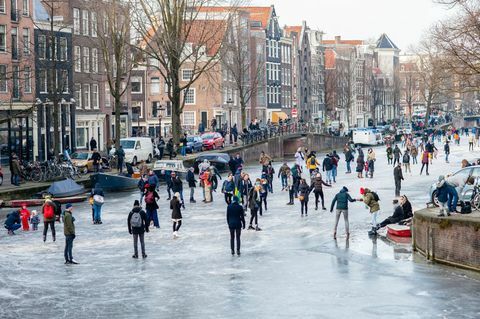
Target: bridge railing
(259, 134)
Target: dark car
(194, 144)
(219, 160)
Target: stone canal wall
(454, 240)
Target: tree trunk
(176, 112)
(427, 113)
(243, 108)
(118, 109)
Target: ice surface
(292, 269)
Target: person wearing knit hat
(371, 199)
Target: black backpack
(375, 196)
(312, 160)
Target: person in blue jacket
(13, 222)
(236, 222)
(442, 196)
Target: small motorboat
(170, 165)
(399, 230)
(112, 182)
(40, 201)
(219, 160)
(65, 188)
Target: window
(76, 21)
(107, 95)
(93, 18)
(26, 7)
(189, 118)
(86, 59)
(105, 26)
(3, 38)
(64, 81)
(187, 75)
(85, 22)
(2, 6)
(42, 47)
(190, 96)
(27, 80)
(86, 96)
(78, 95)
(26, 41)
(78, 59)
(95, 96)
(63, 49)
(14, 38)
(166, 88)
(155, 86)
(94, 60)
(3, 78)
(137, 108)
(42, 81)
(136, 84)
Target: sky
(404, 21)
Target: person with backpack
(327, 166)
(317, 185)
(312, 163)
(98, 201)
(192, 183)
(228, 188)
(406, 162)
(335, 159)
(48, 211)
(151, 205)
(303, 193)
(371, 199)
(176, 206)
(235, 222)
(138, 224)
(299, 158)
(69, 232)
(341, 199)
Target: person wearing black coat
(176, 206)
(398, 177)
(254, 203)
(235, 221)
(151, 197)
(397, 216)
(406, 206)
(12, 223)
(138, 232)
(303, 192)
(177, 186)
(93, 144)
(192, 183)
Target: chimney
(337, 39)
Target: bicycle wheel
(476, 202)
(36, 175)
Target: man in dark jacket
(137, 226)
(395, 218)
(96, 158)
(13, 222)
(120, 153)
(15, 169)
(238, 162)
(396, 155)
(93, 144)
(398, 177)
(69, 232)
(341, 199)
(235, 221)
(327, 166)
(192, 183)
(177, 187)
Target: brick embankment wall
(453, 240)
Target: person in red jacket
(25, 217)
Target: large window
(189, 118)
(94, 60)
(27, 80)
(3, 78)
(42, 81)
(136, 84)
(77, 59)
(25, 8)
(62, 43)
(95, 96)
(155, 86)
(64, 81)
(76, 21)
(42, 47)
(107, 95)
(93, 18)
(78, 95)
(86, 59)
(3, 38)
(86, 96)
(2, 6)
(85, 22)
(26, 41)
(187, 74)
(190, 96)
(81, 133)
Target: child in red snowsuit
(25, 217)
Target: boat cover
(65, 188)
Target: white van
(367, 137)
(137, 149)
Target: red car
(213, 140)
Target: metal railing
(259, 134)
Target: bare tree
(114, 40)
(180, 35)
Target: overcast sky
(404, 21)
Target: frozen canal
(292, 269)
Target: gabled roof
(384, 42)
(290, 30)
(209, 33)
(260, 14)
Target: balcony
(15, 15)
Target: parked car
(137, 149)
(194, 144)
(464, 193)
(83, 161)
(213, 140)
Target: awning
(277, 116)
